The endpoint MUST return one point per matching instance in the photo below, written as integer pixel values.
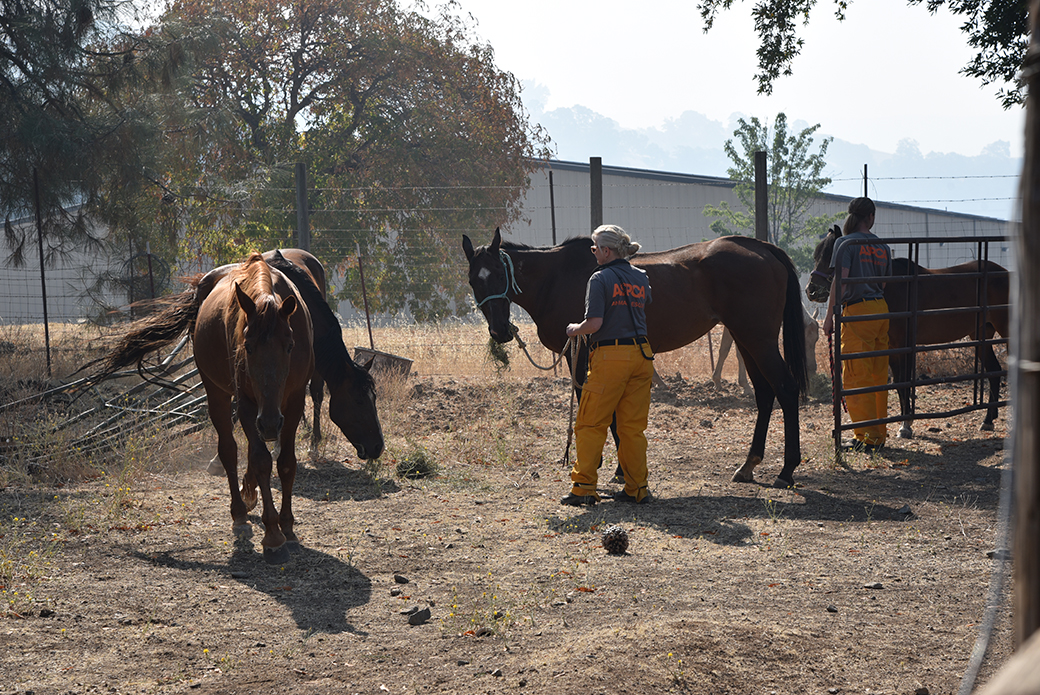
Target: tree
(67, 134)
(794, 177)
(998, 29)
(409, 131)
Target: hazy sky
(889, 72)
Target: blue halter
(507, 263)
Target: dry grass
(458, 349)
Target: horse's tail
(151, 333)
(794, 324)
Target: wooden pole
(552, 207)
(596, 190)
(865, 179)
(1026, 305)
(761, 198)
(303, 217)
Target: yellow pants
(619, 381)
(864, 336)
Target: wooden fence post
(761, 198)
(303, 213)
(1027, 355)
(596, 191)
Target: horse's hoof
(250, 500)
(243, 531)
(906, 433)
(276, 556)
(746, 473)
(782, 483)
(986, 427)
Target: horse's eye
(291, 346)
(249, 349)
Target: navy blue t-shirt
(863, 261)
(611, 288)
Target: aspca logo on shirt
(634, 294)
(873, 255)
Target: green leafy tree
(794, 176)
(68, 132)
(409, 132)
(997, 29)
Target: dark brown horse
(352, 394)
(750, 286)
(938, 288)
(253, 343)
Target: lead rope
(574, 346)
(574, 390)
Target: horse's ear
(467, 246)
(496, 242)
(836, 231)
(288, 306)
(367, 366)
(245, 302)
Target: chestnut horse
(252, 338)
(352, 394)
(750, 286)
(937, 288)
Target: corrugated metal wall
(662, 211)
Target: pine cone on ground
(615, 540)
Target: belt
(638, 340)
(861, 299)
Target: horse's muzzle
(271, 428)
(370, 452)
(817, 293)
(500, 336)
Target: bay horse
(937, 288)
(252, 338)
(352, 394)
(749, 285)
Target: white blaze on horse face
(483, 274)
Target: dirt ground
(869, 577)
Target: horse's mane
(331, 358)
(516, 246)
(253, 277)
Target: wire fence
(661, 211)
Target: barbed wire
(931, 178)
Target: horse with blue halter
(750, 286)
(980, 287)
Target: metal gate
(982, 307)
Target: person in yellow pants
(620, 370)
(866, 336)
(867, 264)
